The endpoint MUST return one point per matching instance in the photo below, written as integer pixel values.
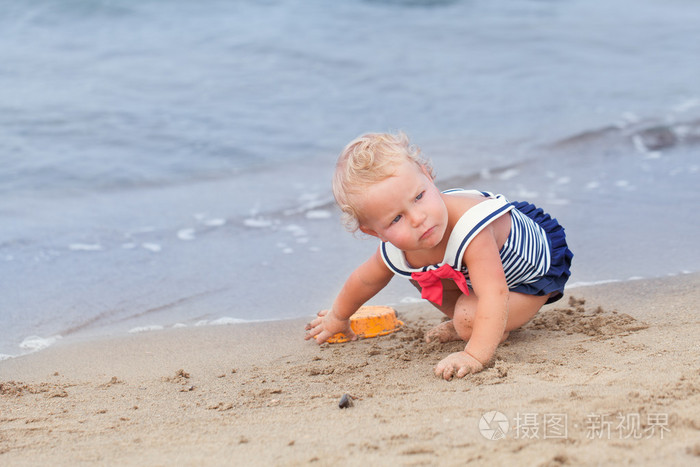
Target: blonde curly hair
(366, 160)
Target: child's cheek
(404, 237)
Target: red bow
(431, 286)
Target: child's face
(405, 210)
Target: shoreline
(36, 343)
(258, 394)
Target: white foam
(203, 322)
(257, 222)
(563, 180)
(128, 246)
(226, 320)
(308, 206)
(215, 222)
(287, 251)
(185, 234)
(592, 185)
(303, 240)
(639, 144)
(318, 214)
(85, 247)
(34, 343)
(607, 281)
(179, 325)
(5, 356)
(152, 327)
(154, 247)
(622, 183)
(589, 284)
(653, 155)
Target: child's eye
(420, 195)
(396, 219)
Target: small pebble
(345, 401)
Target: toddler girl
(486, 263)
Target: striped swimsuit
(526, 254)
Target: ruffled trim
(559, 270)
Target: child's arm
(364, 283)
(489, 322)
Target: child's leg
(450, 294)
(445, 331)
(521, 309)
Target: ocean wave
(149, 328)
(36, 343)
(646, 135)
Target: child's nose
(417, 217)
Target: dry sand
(612, 381)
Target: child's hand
(458, 364)
(327, 325)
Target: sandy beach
(610, 375)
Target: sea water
(167, 163)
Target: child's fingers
(312, 330)
(444, 370)
(317, 333)
(458, 364)
(315, 322)
(448, 373)
(439, 368)
(322, 337)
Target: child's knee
(463, 319)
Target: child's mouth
(427, 233)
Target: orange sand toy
(370, 321)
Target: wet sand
(608, 375)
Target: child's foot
(443, 332)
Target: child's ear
(368, 231)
